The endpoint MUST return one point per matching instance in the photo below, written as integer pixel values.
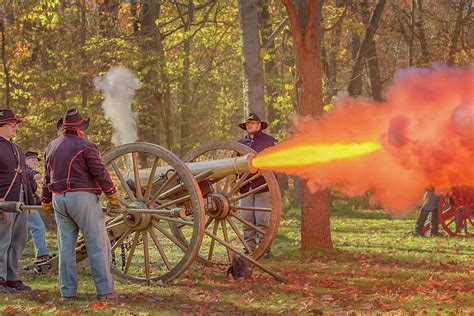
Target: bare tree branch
(275, 33)
(293, 16)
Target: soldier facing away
(74, 178)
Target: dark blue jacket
(11, 156)
(259, 142)
(34, 186)
(73, 164)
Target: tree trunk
(453, 47)
(108, 16)
(254, 100)
(159, 109)
(134, 14)
(372, 60)
(425, 53)
(270, 71)
(82, 41)
(5, 64)
(355, 45)
(354, 89)
(412, 34)
(305, 21)
(186, 106)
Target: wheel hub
(217, 206)
(137, 221)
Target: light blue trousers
(259, 219)
(76, 211)
(13, 238)
(38, 233)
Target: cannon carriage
(175, 211)
(456, 212)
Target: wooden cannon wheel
(144, 248)
(224, 221)
(456, 211)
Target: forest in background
(188, 56)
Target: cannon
(177, 211)
(456, 211)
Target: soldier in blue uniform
(14, 186)
(74, 177)
(36, 225)
(258, 141)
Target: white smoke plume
(118, 87)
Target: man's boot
(420, 222)
(434, 224)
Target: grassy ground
(375, 267)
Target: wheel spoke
(228, 181)
(122, 238)
(150, 179)
(238, 183)
(244, 183)
(251, 192)
(168, 235)
(236, 231)
(451, 221)
(162, 188)
(131, 252)
(226, 239)
(113, 225)
(114, 221)
(174, 220)
(251, 208)
(261, 231)
(123, 181)
(211, 247)
(124, 202)
(208, 222)
(450, 212)
(177, 201)
(160, 248)
(136, 174)
(146, 254)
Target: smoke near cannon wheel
(118, 86)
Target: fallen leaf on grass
(367, 306)
(97, 306)
(10, 309)
(327, 298)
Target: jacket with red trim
(73, 164)
(11, 156)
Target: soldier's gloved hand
(113, 200)
(47, 207)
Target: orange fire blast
(422, 135)
(310, 154)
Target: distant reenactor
(14, 186)
(74, 178)
(429, 206)
(36, 225)
(258, 141)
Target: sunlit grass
(376, 266)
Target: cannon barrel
(218, 168)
